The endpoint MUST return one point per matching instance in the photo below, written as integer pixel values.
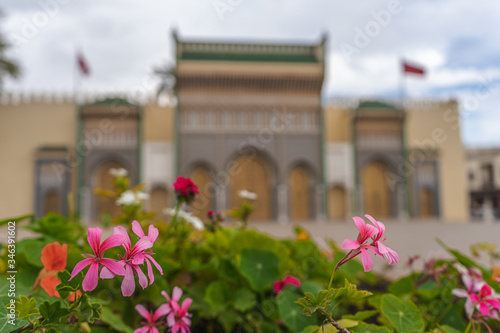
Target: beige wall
(24, 128)
(337, 124)
(158, 123)
(436, 126)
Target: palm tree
(166, 75)
(8, 67)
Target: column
(282, 204)
(320, 194)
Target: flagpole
(76, 76)
(402, 83)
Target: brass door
(337, 203)
(299, 181)
(105, 181)
(376, 198)
(252, 174)
(426, 203)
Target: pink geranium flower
(487, 304)
(152, 236)
(97, 260)
(390, 255)
(178, 318)
(150, 325)
(279, 285)
(369, 239)
(361, 245)
(131, 261)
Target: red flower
(280, 284)
(185, 189)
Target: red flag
(82, 64)
(407, 68)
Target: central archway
(253, 173)
(104, 180)
(300, 189)
(376, 195)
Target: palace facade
(245, 116)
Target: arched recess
(159, 201)
(102, 179)
(52, 202)
(301, 182)
(254, 173)
(337, 202)
(376, 195)
(426, 199)
(204, 202)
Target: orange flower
(54, 256)
(49, 284)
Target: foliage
(229, 272)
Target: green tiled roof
(376, 105)
(249, 52)
(249, 57)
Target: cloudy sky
(122, 40)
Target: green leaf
(464, 260)
(311, 304)
(290, 312)
(327, 328)
(228, 320)
(252, 239)
(369, 328)
(53, 313)
(361, 315)
(8, 320)
(402, 314)
(86, 311)
(26, 307)
(311, 286)
(260, 268)
(217, 296)
(244, 299)
(66, 285)
(448, 329)
(114, 321)
(347, 323)
(403, 286)
(17, 219)
(31, 249)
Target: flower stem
(177, 208)
(331, 279)
(334, 322)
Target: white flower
(118, 173)
(196, 222)
(247, 195)
(130, 198)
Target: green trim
(112, 101)
(257, 57)
(80, 160)
(323, 162)
(404, 153)
(356, 198)
(176, 123)
(377, 105)
(140, 134)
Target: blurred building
(483, 167)
(246, 116)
